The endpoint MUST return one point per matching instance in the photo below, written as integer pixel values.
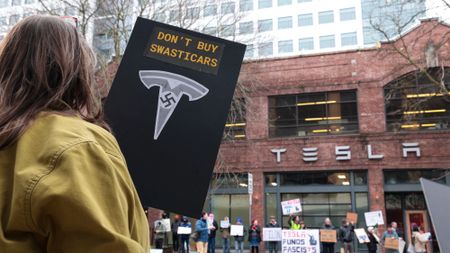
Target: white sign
(162, 225)
(156, 251)
(184, 230)
(300, 241)
(361, 235)
(291, 206)
(224, 224)
(374, 218)
(237, 230)
(271, 234)
(250, 183)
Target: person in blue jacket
(201, 227)
(185, 238)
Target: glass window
(30, 1)
(264, 4)
(271, 180)
(246, 27)
(414, 102)
(313, 114)
(161, 17)
(210, 30)
(228, 30)
(284, 22)
(285, 46)
(13, 19)
(347, 14)
(71, 11)
(360, 177)
(305, 19)
(327, 41)
(16, 2)
(235, 125)
(265, 49)
(305, 44)
(326, 17)
(193, 12)
(229, 181)
(3, 21)
(249, 51)
(348, 39)
(4, 3)
(392, 177)
(227, 8)
(315, 178)
(265, 25)
(284, 2)
(174, 15)
(245, 5)
(304, 1)
(271, 205)
(210, 10)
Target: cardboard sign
(328, 235)
(391, 243)
(352, 217)
(224, 224)
(361, 235)
(271, 234)
(237, 230)
(184, 230)
(305, 241)
(167, 107)
(291, 206)
(374, 218)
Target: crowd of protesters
(204, 234)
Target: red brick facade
(366, 71)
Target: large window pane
(326, 17)
(347, 14)
(306, 44)
(246, 27)
(284, 2)
(285, 46)
(305, 19)
(327, 41)
(245, 5)
(210, 10)
(348, 39)
(228, 8)
(265, 49)
(393, 177)
(271, 205)
(264, 4)
(284, 22)
(240, 208)
(265, 25)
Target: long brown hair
(45, 65)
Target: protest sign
(304, 241)
(224, 224)
(162, 225)
(328, 235)
(374, 218)
(352, 217)
(156, 251)
(271, 234)
(361, 235)
(167, 108)
(237, 230)
(184, 230)
(291, 206)
(391, 243)
(401, 245)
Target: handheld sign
(237, 230)
(391, 243)
(271, 234)
(224, 224)
(328, 235)
(167, 107)
(361, 235)
(374, 218)
(291, 206)
(184, 230)
(305, 240)
(352, 217)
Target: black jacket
(212, 233)
(257, 231)
(372, 245)
(346, 234)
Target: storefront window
(229, 181)
(416, 101)
(235, 125)
(315, 178)
(313, 114)
(271, 205)
(392, 177)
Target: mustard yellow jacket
(65, 187)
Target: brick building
(349, 131)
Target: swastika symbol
(167, 99)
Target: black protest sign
(167, 107)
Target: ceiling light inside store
(346, 183)
(342, 176)
(235, 124)
(425, 111)
(323, 118)
(243, 185)
(317, 103)
(424, 95)
(274, 184)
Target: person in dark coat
(175, 237)
(185, 238)
(372, 245)
(254, 236)
(273, 245)
(346, 235)
(212, 233)
(328, 247)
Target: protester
(419, 239)
(162, 239)
(273, 245)
(396, 229)
(176, 240)
(239, 240)
(201, 228)
(254, 236)
(185, 237)
(226, 236)
(346, 234)
(294, 222)
(302, 225)
(61, 168)
(212, 223)
(372, 244)
(328, 247)
(389, 233)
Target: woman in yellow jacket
(64, 185)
